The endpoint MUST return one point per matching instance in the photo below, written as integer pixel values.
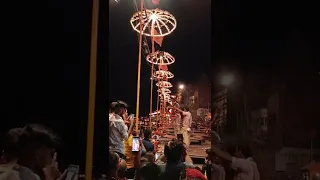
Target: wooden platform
(200, 141)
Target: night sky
(46, 65)
(190, 44)
(46, 49)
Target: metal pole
(92, 88)
(139, 68)
(152, 69)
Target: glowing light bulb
(153, 17)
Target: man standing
(186, 125)
(118, 130)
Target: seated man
(146, 141)
(174, 168)
(149, 171)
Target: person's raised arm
(142, 146)
(123, 129)
(131, 126)
(242, 164)
(223, 155)
(178, 109)
(188, 159)
(51, 171)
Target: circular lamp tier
(164, 84)
(160, 58)
(161, 74)
(164, 95)
(164, 90)
(161, 21)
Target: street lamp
(227, 80)
(181, 86)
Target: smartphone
(157, 156)
(135, 144)
(131, 116)
(72, 172)
(180, 137)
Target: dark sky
(272, 41)
(45, 57)
(190, 44)
(45, 61)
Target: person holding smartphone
(132, 146)
(118, 131)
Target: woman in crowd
(131, 156)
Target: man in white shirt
(242, 165)
(118, 131)
(217, 170)
(186, 125)
(246, 153)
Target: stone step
(195, 143)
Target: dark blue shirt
(148, 145)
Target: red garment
(194, 173)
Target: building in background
(197, 97)
(276, 112)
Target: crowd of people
(222, 163)
(29, 154)
(144, 164)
